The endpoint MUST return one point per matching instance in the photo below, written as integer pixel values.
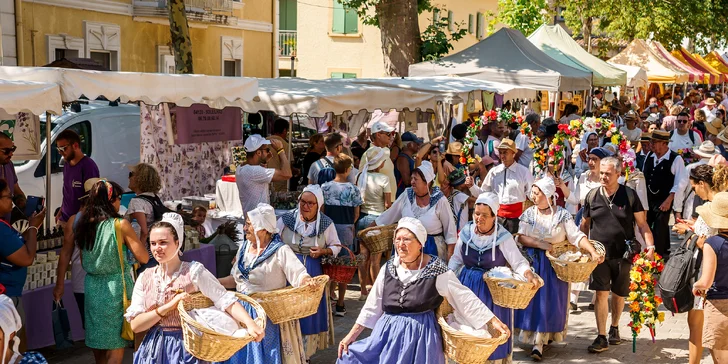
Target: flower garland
(643, 309)
(470, 136)
(687, 155)
(528, 132)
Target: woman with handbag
(105, 239)
(158, 291)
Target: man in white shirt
(682, 137)
(630, 130)
(597, 100)
(666, 178)
(710, 109)
(381, 136)
(334, 145)
(253, 179)
(509, 180)
(524, 156)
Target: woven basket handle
(351, 253)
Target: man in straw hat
(720, 142)
(645, 148)
(709, 109)
(666, 178)
(509, 180)
(610, 215)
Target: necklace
(609, 200)
(544, 210)
(422, 195)
(477, 229)
(414, 260)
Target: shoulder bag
(126, 331)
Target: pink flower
(609, 134)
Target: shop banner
(23, 129)
(202, 124)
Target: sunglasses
(131, 174)
(9, 150)
(682, 121)
(61, 148)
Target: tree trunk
(399, 25)
(180, 31)
(586, 31)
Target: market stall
(708, 66)
(713, 76)
(695, 74)
(636, 76)
(715, 60)
(639, 54)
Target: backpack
(676, 280)
(326, 171)
(691, 135)
(158, 207)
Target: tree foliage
(523, 15)
(666, 21)
(438, 37)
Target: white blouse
(201, 278)
(460, 297)
(580, 189)
(510, 251)
(281, 267)
(437, 219)
(305, 229)
(461, 201)
(553, 228)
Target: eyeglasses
(682, 121)
(9, 150)
(307, 203)
(61, 148)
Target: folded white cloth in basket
(456, 322)
(217, 320)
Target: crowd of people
(454, 219)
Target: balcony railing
(213, 11)
(287, 40)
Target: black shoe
(573, 305)
(536, 355)
(599, 345)
(340, 311)
(614, 338)
(591, 307)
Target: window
(342, 75)
(232, 56)
(63, 46)
(288, 15)
(450, 21)
(346, 20)
(480, 26)
(103, 58)
(471, 24)
(165, 59)
(231, 68)
(84, 131)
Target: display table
(38, 305)
(205, 254)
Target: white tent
(33, 97)
(286, 96)
(636, 76)
(151, 88)
(508, 57)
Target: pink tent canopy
(696, 75)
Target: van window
(84, 131)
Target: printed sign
(23, 129)
(200, 124)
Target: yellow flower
(615, 139)
(632, 296)
(635, 276)
(661, 316)
(531, 146)
(649, 305)
(639, 261)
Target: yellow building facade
(229, 38)
(331, 42)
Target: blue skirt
(267, 351)
(318, 322)
(547, 311)
(473, 279)
(409, 338)
(162, 347)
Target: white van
(109, 135)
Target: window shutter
(337, 75)
(349, 75)
(471, 24)
(339, 23)
(450, 21)
(435, 16)
(480, 26)
(351, 21)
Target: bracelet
(651, 247)
(32, 227)
(156, 310)
(279, 151)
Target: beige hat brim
(723, 137)
(713, 220)
(702, 154)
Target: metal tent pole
(48, 171)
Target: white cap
(381, 126)
(263, 217)
(414, 226)
(254, 142)
(427, 171)
(490, 199)
(547, 186)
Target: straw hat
(706, 149)
(723, 135)
(454, 148)
(508, 144)
(710, 101)
(715, 213)
(714, 127)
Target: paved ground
(671, 345)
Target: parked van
(109, 135)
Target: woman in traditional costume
(484, 244)
(400, 308)
(542, 225)
(158, 290)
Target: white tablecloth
(228, 196)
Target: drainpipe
(276, 46)
(19, 31)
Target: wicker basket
(341, 273)
(511, 293)
(572, 272)
(378, 243)
(463, 348)
(208, 345)
(287, 304)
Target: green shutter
(339, 24)
(450, 21)
(435, 16)
(471, 24)
(349, 75)
(337, 75)
(288, 15)
(351, 22)
(479, 27)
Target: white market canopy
(508, 57)
(33, 97)
(286, 96)
(558, 44)
(150, 88)
(636, 76)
